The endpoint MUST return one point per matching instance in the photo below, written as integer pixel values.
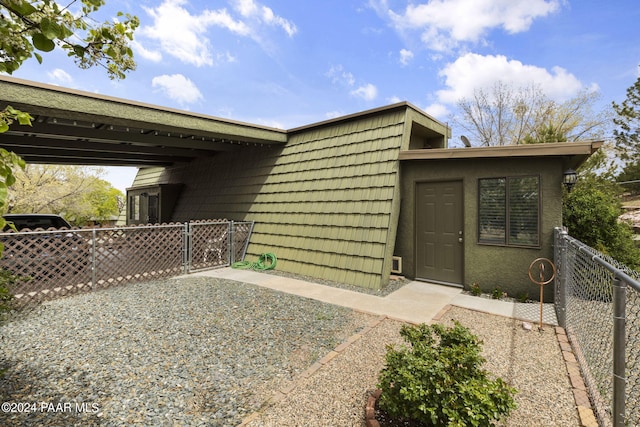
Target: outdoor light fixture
(569, 178)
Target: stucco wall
(489, 266)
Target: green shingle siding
(323, 203)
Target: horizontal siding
(149, 176)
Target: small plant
(498, 293)
(523, 297)
(475, 289)
(439, 381)
(6, 297)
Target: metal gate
(55, 263)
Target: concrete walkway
(415, 302)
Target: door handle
(460, 236)
(460, 239)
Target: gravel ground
(189, 352)
(529, 360)
(207, 352)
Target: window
(508, 211)
(134, 207)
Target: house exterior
(344, 200)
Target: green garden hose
(266, 261)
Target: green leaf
(42, 43)
(79, 50)
(4, 126)
(24, 118)
(50, 29)
(38, 57)
(23, 8)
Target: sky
(289, 63)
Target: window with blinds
(509, 211)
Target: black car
(34, 221)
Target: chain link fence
(598, 303)
(56, 263)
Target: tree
(28, 27)
(75, 192)
(630, 176)
(591, 214)
(627, 119)
(506, 115)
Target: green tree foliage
(629, 174)
(505, 115)
(77, 193)
(9, 162)
(627, 120)
(29, 28)
(591, 214)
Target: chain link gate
(56, 263)
(598, 303)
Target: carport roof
(75, 127)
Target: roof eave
(579, 151)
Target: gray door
(439, 228)
(153, 208)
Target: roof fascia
(525, 150)
(39, 98)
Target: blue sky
(285, 63)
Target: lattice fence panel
(63, 262)
(135, 254)
(241, 234)
(53, 263)
(210, 244)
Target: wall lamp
(569, 178)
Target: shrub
(523, 297)
(439, 381)
(475, 289)
(498, 293)
(591, 213)
(6, 297)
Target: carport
(81, 128)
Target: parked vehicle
(34, 221)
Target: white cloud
(151, 55)
(444, 24)
(337, 74)
(472, 71)
(405, 56)
(254, 10)
(438, 111)
(367, 92)
(333, 114)
(60, 76)
(185, 35)
(178, 88)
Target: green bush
(475, 289)
(591, 214)
(498, 293)
(439, 381)
(6, 297)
